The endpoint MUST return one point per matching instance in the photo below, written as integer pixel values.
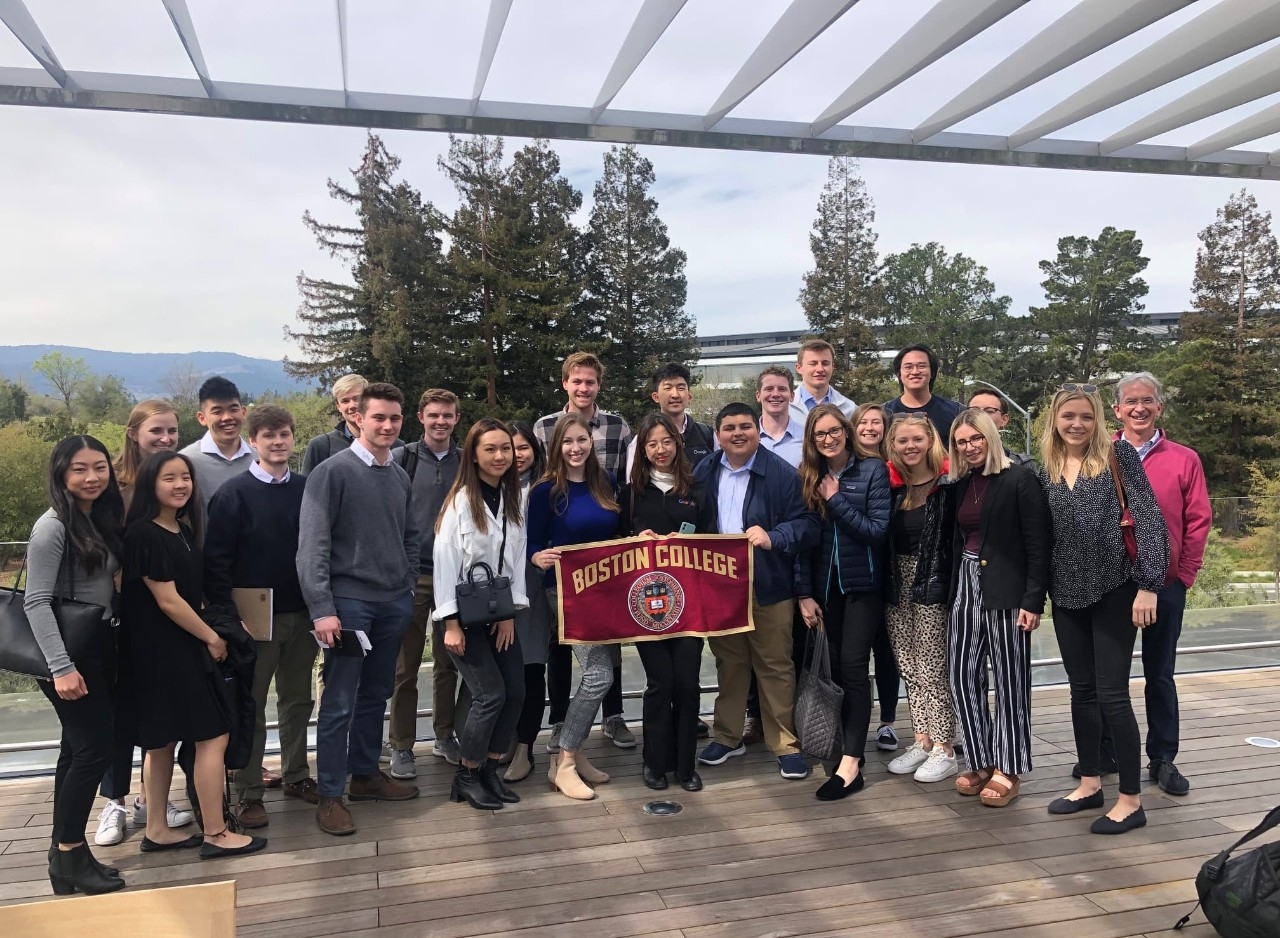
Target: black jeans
(852, 621)
(888, 677)
(671, 698)
(86, 748)
(1097, 645)
(535, 698)
(560, 682)
(496, 681)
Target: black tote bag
(83, 627)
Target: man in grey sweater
(221, 453)
(357, 565)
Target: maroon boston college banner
(640, 589)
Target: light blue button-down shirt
(789, 446)
(732, 494)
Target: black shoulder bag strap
(1213, 869)
(502, 548)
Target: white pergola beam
(1080, 32)
(949, 24)
(180, 16)
(800, 24)
(650, 23)
(1230, 27)
(1263, 124)
(493, 27)
(15, 15)
(1255, 79)
(342, 45)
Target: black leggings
(1097, 648)
(852, 621)
(535, 698)
(85, 750)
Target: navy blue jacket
(856, 527)
(773, 502)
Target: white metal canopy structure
(1229, 40)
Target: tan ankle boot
(521, 765)
(563, 776)
(588, 772)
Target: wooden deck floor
(752, 855)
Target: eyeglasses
(990, 411)
(1136, 401)
(820, 436)
(971, 441)
(1083, 388)
(914, 367)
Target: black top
(492, 496)
(171, 667)
(663, 512)
(905, 529)
(252, 540)
(941, 411)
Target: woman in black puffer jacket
(840, 583)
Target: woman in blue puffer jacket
(840, 583)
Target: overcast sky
(139, 232)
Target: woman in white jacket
(482, 522)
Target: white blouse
(460, 543)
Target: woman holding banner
(663, 499)
(482, 522)
(574, 503)
(839, 582)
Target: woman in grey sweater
(73, 554)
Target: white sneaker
(910, 760)
(938, 766)
(111, 824)
(173, 815)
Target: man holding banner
(758, 494)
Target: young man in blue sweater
(252, 541)
(357, 564)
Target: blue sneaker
(719, 753)
(793, 766)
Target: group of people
(906, 531)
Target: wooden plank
(180, 912)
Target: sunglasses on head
(1082, 388)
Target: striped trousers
(977, 636)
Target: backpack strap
(409, 460)
(1213, 869)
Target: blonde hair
(934, 460)
(997, 461)
(348, 383)
(131, 458)
(814, 344)
(862, 411)
(582, 360)
(1053, 449)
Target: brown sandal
(1008, 787)
(972, 782)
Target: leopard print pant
(919, 638)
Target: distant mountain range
(143, 373)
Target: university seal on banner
(656, 601)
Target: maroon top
(969, 512)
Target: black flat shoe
(655, 780)
(834, 788)
(1070, 806)
(147, 845)
(692, 783)
(210, 851)
(1104, 824)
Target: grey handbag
(818, 701)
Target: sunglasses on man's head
(1082, 388)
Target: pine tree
(391, 323)
(1225, 368)
(839, 296)
(1093, 290)
(636, 285)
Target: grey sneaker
(402, 764)
(615, 727)
(553, 744)
(385, 756)
(447, 749)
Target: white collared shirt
(262, 475)
(207, 445)
(367, 457)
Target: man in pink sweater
(1177, 479)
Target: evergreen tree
(13, 402)
(636, 284)
(944, 300)
(391, 322)
(1225, 367)
(839, 295)
(1093, 288)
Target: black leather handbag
(482, 600)
(83, 627)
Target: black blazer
(1015, 541)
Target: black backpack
(1241, 895)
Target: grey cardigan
(45, 580)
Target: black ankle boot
(75, 871)
(109, 870)
(468, 787)
(494, 784)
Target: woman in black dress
(174, 651)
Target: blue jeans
(356, 690)
(1159, 658)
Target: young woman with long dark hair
(661, 497)
(840, 582)
(174, 649)
(73, 553)
(532, 623)
(482, 523)
(575, 503)
(1101, 598)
